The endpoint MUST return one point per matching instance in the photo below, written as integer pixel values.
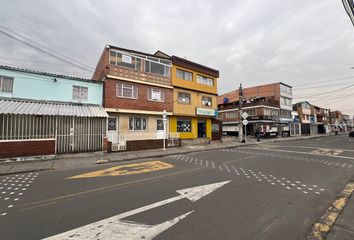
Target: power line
(46, 52)
(40, 62)
(322, 86)
(28, 39)
(327, 80)
(329, 92)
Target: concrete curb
(321, 229)
(135, 156)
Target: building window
(184, 98)
(184, 126)
(232, 114)
(112, 124)
(285, 101)
(127, 91)
(159, 125)
(184, 75)
(6, 84)
(205, 80)
(80, 93)
(156, 95)
(157, 66)
(250, 112)
(137, 123)
(206, 101)
(285, 89)
(285, 114)
(124, 60)
(267, 112)
(141, 63)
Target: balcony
(139, 67)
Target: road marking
(55, 200)
(307, 153)
(116, 228)
(129, 169)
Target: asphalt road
(268, 191)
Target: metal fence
(72, 134)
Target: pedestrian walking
(258, 134)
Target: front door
(112, 129)
(201, 129)
(160, 128)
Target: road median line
(321, 229)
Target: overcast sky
(306, 44)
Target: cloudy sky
(306, 44)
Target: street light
(164, 120)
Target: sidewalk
(77, 160)
(343, 228)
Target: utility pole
(240, 125)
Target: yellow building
(194, 99)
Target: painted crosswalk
(308, 160)
(12, 189)
(259, 176)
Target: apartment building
(278, 97)
(336, 120)
(194, 99)
(263, 114)
(45, 114)
(137, 90)
(307, 117)
(322, 119)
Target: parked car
(351, 133)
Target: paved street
(267, 191)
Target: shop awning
(33, 107)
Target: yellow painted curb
(321, 229)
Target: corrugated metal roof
(9, 106)
(11, 68)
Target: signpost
(244, 115)
(244, 123)
(164, 119)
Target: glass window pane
(157, 68)
(112, 58)
(184, 126)
(7, 85)
(184, 98)
(137, 123)
(159, 125)
(112, 124)
(131, 123)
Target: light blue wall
(41, 87)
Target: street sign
(116, 228)
(245, 122)
(244, 115)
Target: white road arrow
(114, 228)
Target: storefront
(265, 124)
(193, 127)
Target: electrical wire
(28, 39)
(46, 52)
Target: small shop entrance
(201, 129)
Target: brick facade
(114, 74)
(142, 103)
(27, 148)
(268, 91)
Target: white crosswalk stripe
(259, 176)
